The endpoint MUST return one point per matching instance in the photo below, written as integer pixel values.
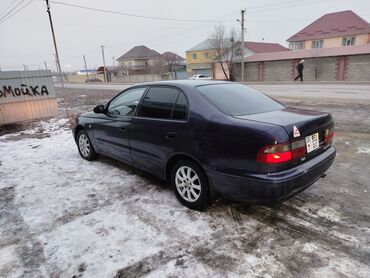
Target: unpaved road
(62, 216)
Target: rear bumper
(273, 187)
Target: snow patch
(329, 213)
(10, 265)
(362, 149)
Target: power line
(9, 17)
(11, 4)
(137, 15)
(16, 6)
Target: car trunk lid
(307, 122)
(300, 125)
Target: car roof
(186, 83)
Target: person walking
(300, 70)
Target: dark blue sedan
(210, 138)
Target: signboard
(26, 95)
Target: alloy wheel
(84, 145)
(188, 184)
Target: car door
(111, 131)
(158, 129)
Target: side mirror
(99, 109)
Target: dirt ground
(61, 216)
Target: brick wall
(358, 68)
(252, 72)
(320, 69)
(278, 70)
(350, 68)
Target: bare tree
(226, 49)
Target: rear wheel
(85, 148)
(190, 185)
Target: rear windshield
(237, 99)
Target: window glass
(158, 103)
(125, 104)
(296, 45)
(237, 99)
(179, 112)
(317, 44)
(194, 56)
(206, 55)
(348, 41)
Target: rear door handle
(123, 129)
(171, 135)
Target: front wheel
(190, 185)
(85, 148)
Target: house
(142, 60)
(336, 47)
(250, 48)
(199, 59)
(175, 64)
(171, 58)
(332, 30)
(349, 63)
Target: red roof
(333, 25)
(263, 47)
(171, 57)
(310, 53)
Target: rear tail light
(281, 153)
(329, 135)
(299, 148)
(275, 154)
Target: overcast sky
(26, 36)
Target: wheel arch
(171, 161)
(77, 130)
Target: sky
(25, 37)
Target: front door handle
(171, 135)
(123, 129)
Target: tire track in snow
(16, 232)
(280, 220)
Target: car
(211, 139)
(200, 77)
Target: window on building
(206, 55)
(159, 103)
(296, 45)
(317, 44)
(348, 41)
(194, 56)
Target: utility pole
(113, 61)
(25, 68)
(55, 43)
(46, 66)
(242, 46)
(105, 72)
(87, 73)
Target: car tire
(190, 185)
(85, 147)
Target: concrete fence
(141, 78)
(26, 95)
(340, 68)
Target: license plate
(312, 142)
